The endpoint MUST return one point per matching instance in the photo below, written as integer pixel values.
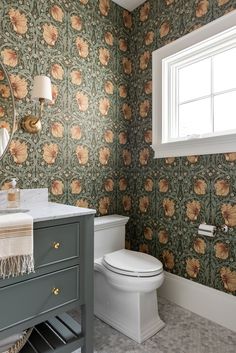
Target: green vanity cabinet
(63, 280)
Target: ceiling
(129, 4)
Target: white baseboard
(210, 303)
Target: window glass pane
(195, 118)
(224, 70)
(195, 80)
(225, 112)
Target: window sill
(200, 146)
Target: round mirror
(7, 111)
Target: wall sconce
(41, 92)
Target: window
(194, 92)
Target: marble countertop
(35, 202)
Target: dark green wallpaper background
(94, 149)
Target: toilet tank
(109, 234)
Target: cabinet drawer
(31, 298)
(54, 244)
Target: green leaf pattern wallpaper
(94, 149)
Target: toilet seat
(132, 263)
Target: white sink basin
(12, 210)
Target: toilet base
(132, 313)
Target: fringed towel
(16, 245)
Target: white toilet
(125, 282)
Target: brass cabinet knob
(56, 291)
(56, 245)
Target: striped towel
(16, 245)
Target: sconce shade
(42, 88)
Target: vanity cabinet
(63, 280)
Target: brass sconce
(41, 92)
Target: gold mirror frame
(2, 67)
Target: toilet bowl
(125, 282)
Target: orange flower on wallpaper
(127, 19)
(104, 155)
(4, 91)
(168, 259)
(76, 77)
(2, 112)
(149, 37)
(7, 185)
(109, 38)
(127, 66)
(144, 60)
(18, 151)
(164, 29)
(123, 184)
(127, 112)
(82, 203)
(229, 214)
(104, 204)
(50, 152)
(163, 237)
(148, 185)
(230, 157)
(57, 13)
(127, 159)
(123, 91)
(144, 108)
(193, 210)
(57, 129)
(144, 155)
(222, 2)
(192, 159)
(169, 160)
(104, 106)
(148, 233)
(144, 12)
(109, 185)
(82, 101)
(123, 138)
(169, 207)
(169, 2)
(19, 86)
(148, 87)
(104, 7)
(54, 94)
(109, 87)
(76, 187)
(104, 56)
(6, 125)
(222, 188)
(143, 204)
(148, 136)
(76, 132)
(18, 21)
(163, 185)
(84, 2)
(228, 278)
(76, 22)
(200, 187)
(109, 136)
(57, 187)
(50, 34)
(9, 57)
(82, 154)
(221, 250)
(202, 8)
(2, 76)
(199, 246)
(144, 248)
(192, 267)
(82, 47)
(123, 46)
(127, 203)
(57, 72)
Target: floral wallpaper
(171, 197)
(94, 149)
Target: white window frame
(195, 145)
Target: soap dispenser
(13, 195)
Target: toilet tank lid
(133, 261)
(109, 221)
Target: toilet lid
(132, 263)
